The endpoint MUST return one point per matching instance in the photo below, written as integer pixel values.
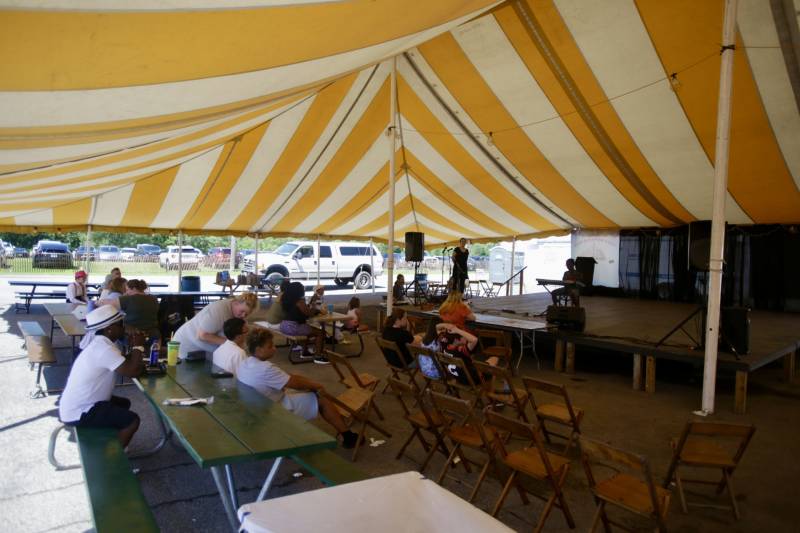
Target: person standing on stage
(460, 256)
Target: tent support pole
(233, 254)
(319, 259)
(180, 259)
(509, 290)
(371, 264)
(390, 134)
(718, 215)
(86, 261)
(255, 268)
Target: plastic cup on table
(172, 352)
(330, 309)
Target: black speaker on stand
(415, 252)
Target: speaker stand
(701, 342)
(419, 294)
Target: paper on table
(188, 401)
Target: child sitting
(230, 353)
(298, 394)
(317, 301)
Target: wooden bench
(40, 352)
(115, 496)
(27, 298)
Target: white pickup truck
(169, 259)
(342, 262)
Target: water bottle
(154, 354)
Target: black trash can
(190, 284)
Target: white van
(343, 262)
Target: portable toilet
(500, 264)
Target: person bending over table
(454, 311)
(230, 354)
(396, 329)
(87, 400)
(296, 318)
(203, 333)
(76, 290)
(275, 313)
(298, 394)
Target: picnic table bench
(40, 351)
(28, 296)
(116, 499)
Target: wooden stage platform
(634, 326)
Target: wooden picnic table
(239, 426)
(29, 296)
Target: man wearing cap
(87, 400)
(76, 290)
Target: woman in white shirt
(203, 333)
(76, 290)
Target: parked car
(431, 261)
(79, 254)
(343, 262)
(21, 252)
(128, 254)
(190, 257)
(220, 258)
(52, 254)
(108, 253)
(148, 252)
(8, 249)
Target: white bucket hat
(102, 317)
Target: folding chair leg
(361, 438)
(407, 442)
(504, 493)
(481, 477)
(731, 494)
(681, 496)
(562, 501)
(439, 444)
(377, 411)
(597, 516)
(545, 513)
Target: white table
(399, 502)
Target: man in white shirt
(87, 400)
(231, 353)
(268, 379)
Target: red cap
(80, 274)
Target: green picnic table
(239, 426)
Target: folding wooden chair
(398, 372)
(430, 382)
(493, 344)
(560, 413)
(709, 445)
(352, 379)
(422, 418)
(456, 387)
(632, 490)
(501, 389)
(464, 429)
(418, 324)
(356, 406)
(532, 461)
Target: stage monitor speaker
(567, 317)
(735, 329)
(699, 244)
(415, 246)
(585, 266)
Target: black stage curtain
(762, 266)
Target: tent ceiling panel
(535, 117)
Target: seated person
(115, 273)
(454, 311)
(399, 289)
(76, 290)
(396, 329)
(87, 400)
(461, 343)
(115, 288)
(140, 308)
(353, 320)
(431, 342)
(317, 301)
(275, 313)
(295, 322)
(231, 353)
(571, 291)
(268, 379)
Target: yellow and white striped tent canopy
(267, 117)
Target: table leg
(570, 357)
(268, 482)
(559, 363)
(650, 374)
(231, 486)
(637, 371)
(789, 361)
(230, 511)
(740, 398)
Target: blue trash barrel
(190, 283)
(422, 279)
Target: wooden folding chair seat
(709, 446)
(501, 389)
(562, 413)
(426, 357)
(470, 387)
(405, 372)
(493, 344)
(465, 429)
(352, 379)
(629, 487)
(532, 461)
(422, 418)
(356, 407)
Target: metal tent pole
(180, 259)
(371, 264)
(255, 268)
(86, 262)
(319, 259)
(390, 134)
(513, 253)
(233, 254)
(718, 215)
